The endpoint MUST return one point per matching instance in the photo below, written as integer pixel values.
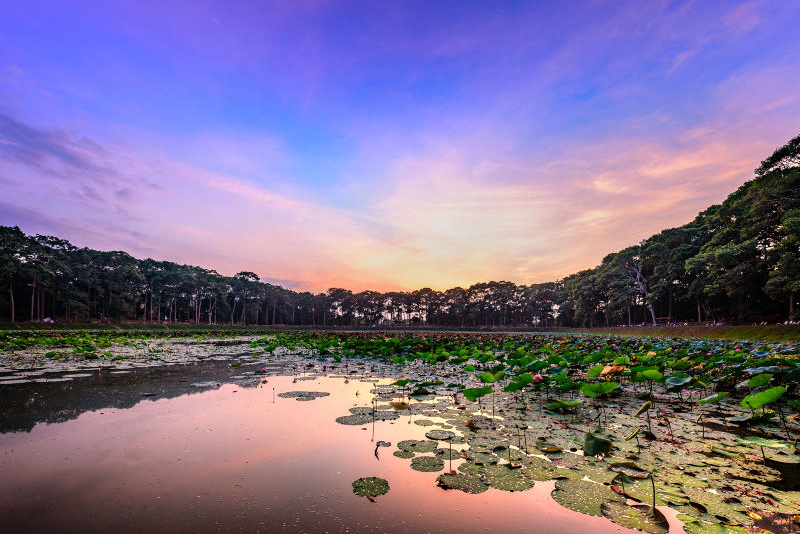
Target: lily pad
(296, 394)
(584, 496)
(370, 487)
(413, 445)
(462, 482)
(594, 445)
(403, 454)
(427, 464)
(639, 517)
(354, 419)
(701, 527)
(547, 447)
(630, 469)
(439, 434)
(504, 478)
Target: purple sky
(386, 144)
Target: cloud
(50, 151)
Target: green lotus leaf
(652, 374)
(370, 487)
(639, 517)
(768, 396)
(595, 371)
(594, 445)
(629, 469)
(584, 496)
(439, 434)
(462, 482)
(428, 464)
(716, 397)
(759, 380)
(474, 394)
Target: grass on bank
(773, 333)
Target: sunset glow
(369, 145)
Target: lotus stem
(783, 421)
(653, 483)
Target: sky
(386, 145)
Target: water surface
(201, 448)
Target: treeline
(737, 261)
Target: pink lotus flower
(537, 378)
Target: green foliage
(652, 375)
(595, 389)
(595, 371)
(762, 398)
(716, 397)
(759, 380)
(474, 394)
(595, 445)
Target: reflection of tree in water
(24, 405)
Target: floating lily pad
(448, 453)
(547, 447)
(702, 527)
(424, 422)
(584, 496)
(309, 394)
(413, 445)
(439, 434)
(504, 478)
(639, 517)
(630, 469)
(462, 482)
(403, 454)
(370, 487)
(354, 419)
(428, 464)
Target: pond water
(206, 448)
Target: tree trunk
(699, 313)
(33, 297)
(669, 314)
(11, 294)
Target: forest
(736, 262)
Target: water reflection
(99, 456)
(24, 405)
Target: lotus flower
(537, 378)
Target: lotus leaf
(429, 464)
(584, 496)
(462, 482)
(370, 487)
(639, 517)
